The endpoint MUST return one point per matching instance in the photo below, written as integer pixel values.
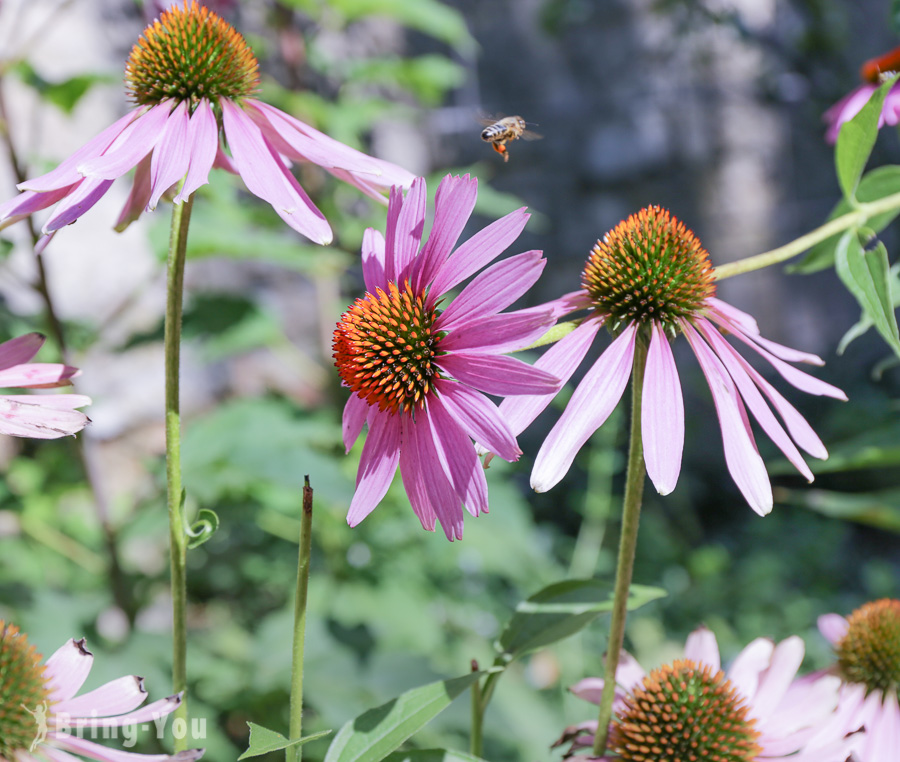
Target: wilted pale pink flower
(648, 280)
(851, 104)
(42, 416)
(42, 718)
(867, 646)
(191, 74)
(693, 710)
(418, 365)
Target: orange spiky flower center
(23, 691)
(649, 267)
(385, 346)
(188, 54)
(684, 712)
(869, 652)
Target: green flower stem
(478, 707)
(862, 214)
(178, 539)
(295, 753)
(631, 514)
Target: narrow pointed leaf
(875, 509)
(263, 740)
(561, 610)
(376, 733)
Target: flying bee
(500, 131)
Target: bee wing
(529, 135)
(489, 119)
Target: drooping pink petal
(203, 139)
(701, 647)
(299, 141)
(355, 412)
(458, 458)
(67, 669)
(804, 704)
(728, 312)
(478, 251)
(37, 375)
(833, 627)
(662, 414)
(265, 175)
(172, 155)
(374, 187)
(20, 349)
(417, 490)
(571, 302)
(77, 203)
(138, 198)
(116, 697)
(750, 663)
(51, 401)
(741, 456)
(479, 418)
(373, 260)
(453, 205)
(775, 681)
(493, 290)
(106, 754)
(752, 397)
(498, 374)
(507, 332)
(595, 398)
(562, 358)
(66, 174)
(29, 202)
(145, 714)
(23, 416)
(395, 206)
(409, 228)
(131, 145)
(377, 465)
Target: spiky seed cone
(869, 652)
(23, 689)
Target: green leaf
(203, 528)
(866, 274)
(876, 509)
(559, 331)
(431, 755)
(880, 182)
(64, 95)
(376, 733)
(263, 740)
(865, 323)
(856, 140)
(561, 610)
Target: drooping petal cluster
(851, 104)
(867, 645)
(41, 416)
(191, 76)
(693, 710)
(419, 365)
(43, 719)
(647, 281)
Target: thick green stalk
(631, 513)
(860, 216)
(295, 753)
(178, 540)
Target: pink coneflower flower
(42, 416)
(648, 280)
(693, 710)
(191, 75)
(851, 104)
(418, 366)
(41, 718)
(867, 645)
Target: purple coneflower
(42, 718)
(418, 365)
(851, 104)
(693, 710)
(867, 646)
(648, 280)
(41, 416)
(191, 75)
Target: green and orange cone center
(384, 348)
(23, 690)
(188, 54)
(869, 652)
(650, 267)
(684, 712)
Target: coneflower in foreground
(649, 280)
(418, 365)
(692, 710)
(41, 416)
(191, 75)
(41, 718)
